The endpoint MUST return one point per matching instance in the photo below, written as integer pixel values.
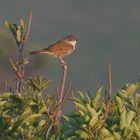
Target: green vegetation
(28, 116)
(28, 112)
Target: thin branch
(13, 65)
(89, 94)
(109, 91)
(67, 91)
(57, 91)
(102, 121)
(72, 94)
(28, 28)
(5, 86)
(63, 79)
(61, 94)
(58, 105)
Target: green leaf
(129, 117)
(136, 129)
(22, 25)
(123, 119)
(88, 99)
(48, 131)
(74, 99)
(83, 135)
(66, 118)
(93, 115)
(2, 103)
(18, 34)
(128, 132)
(81, 108)
(131, 89)
(106, 133)
(137, 120)
(31, 118)
(81, 96)
(117, 136)
(25, 61)
(11, 28)
(41, 124)
(38, 83)
(5, 95)
(97, 97)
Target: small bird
(59, 49)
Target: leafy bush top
(30, 115)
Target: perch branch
(61, 94)
(63, 79)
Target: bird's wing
(59, 46)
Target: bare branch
(57, 91)
(72, 94)
(102, 121)
(5, 86)
(109, 90)
(28, 28)
(13, 65)
(67, 91)
(63, 79)
(60, 100)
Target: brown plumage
(60, 48)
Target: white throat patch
(73, 43)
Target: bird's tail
(37, 52)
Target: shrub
(30, 115)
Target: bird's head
(70, 39)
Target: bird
(59, 49)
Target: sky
(108, 31)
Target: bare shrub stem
(29, 27)
(109, 90)
(61, 94)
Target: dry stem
(61, 94)
(109, 95)
(5, 86)
(109, 90)
(56, 115)
(29, 27)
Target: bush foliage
(29, 116)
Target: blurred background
(108, 31)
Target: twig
(28, 28)
(72, 94)
(58, 105)
(63, 79)
(89, 94)
(102, 121)
(13, 65)
(61, 94)
(5, 86)
(57, 91)
(67, 91)
(109, 91)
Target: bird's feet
(63, 64)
